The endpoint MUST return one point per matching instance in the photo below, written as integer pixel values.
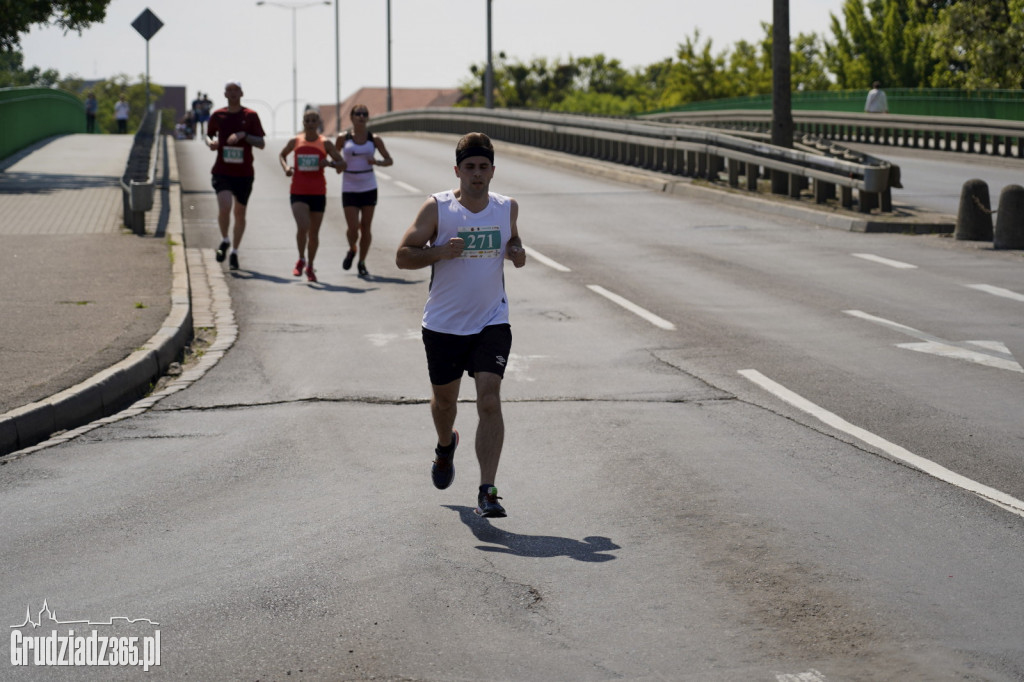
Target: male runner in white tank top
(464, 235)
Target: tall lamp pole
(782, 101)
(389, 55)
(489, 75)
(337, 67)
(295, 68)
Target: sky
(205, 43)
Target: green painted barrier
(1007, 105)
(28, 115)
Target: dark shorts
(240, 187)
(449, 355)
(317, 202)
(360, 199)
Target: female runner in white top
(359, 185)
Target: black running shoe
(487, 504)
(443, 471)
(363, 272)
(222, 251)
(233, 261)
(347, 263)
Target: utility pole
(489, 76)
(782, 100)
(389, 55)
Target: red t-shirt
(234, 160)
(308, 177)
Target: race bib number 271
(481, 242)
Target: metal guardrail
(139, 180)
(665, 147)
(970, 135)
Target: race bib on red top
(307, 162)
(233, 154)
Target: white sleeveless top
(358, 175)
(468, 293)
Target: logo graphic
(90, 649)
(500, 360)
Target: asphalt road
(721, 482)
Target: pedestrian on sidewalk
(91, 107)
(121, 110)
(203, 115)
(309, 187)
(359, 185)
(233, 132)
(876, 103)
(464, 235)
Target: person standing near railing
(876, 102)
(91, 106)
(121, 110)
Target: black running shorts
(449, 355)
(241, 187)
(317, 202)
(360, 199)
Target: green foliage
(978, 45)
(13, 73)
(107, 93)
(18, 16)
(972, 44)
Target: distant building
(173, 98)
(376, 100)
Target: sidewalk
(92, 313)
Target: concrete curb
(116, 387)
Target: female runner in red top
(309, 187)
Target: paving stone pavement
(92, 314)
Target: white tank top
(468, 293)
(359, 175)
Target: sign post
(147, 24)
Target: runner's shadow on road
(242, 273)
(390, 280)
(274, 279)
(590, 549)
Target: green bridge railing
(28, 115)
(1007, 105)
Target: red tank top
(308, 177)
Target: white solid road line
(996, 497)
(997, 291)
(885, 261)
(408, 188)
(633, 308)
(538, 256)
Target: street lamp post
(489, 74)
(294, 7)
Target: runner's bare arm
(514, 250)
(283, 157)
(413, 252)
(386, 159)
(336, 161)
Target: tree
(18, 16)
(13, 72)
(978, 45)
(696, 76)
